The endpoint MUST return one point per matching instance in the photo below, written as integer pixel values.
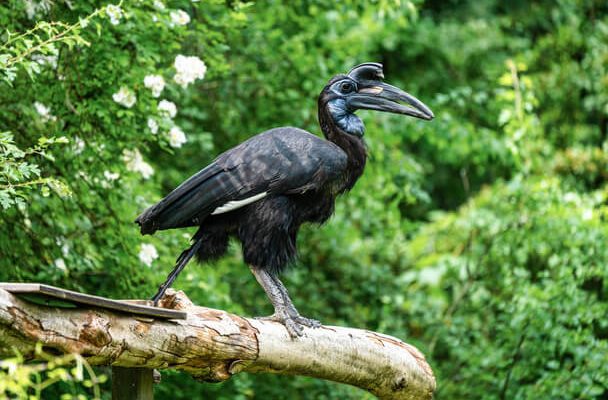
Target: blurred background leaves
(479, 237)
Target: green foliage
(522, 299)
(479, 237)
(30, 381)
(18, 174)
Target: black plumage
(264, 189)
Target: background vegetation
(479, 237)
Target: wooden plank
(127, 306)
(132, 384)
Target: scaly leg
(291, 309)
(180, 263)
(281, 309)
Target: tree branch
(212, 345)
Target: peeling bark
(212, 345)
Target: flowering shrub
(101, 98)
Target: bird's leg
(180, 263)
(291, 309)
(281, 312)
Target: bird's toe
(293, 328)
(308, 322)
(272, 318)
(293, 325)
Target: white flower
(168, 108)
(180, 17)
(588, 214)
(50, 60)
(32, 8)
(111, 176)
(44, 112)
(60, 264)
(41, 109)
(147, 254)
(65, 249)
(135, 162)
(153, 126)
(176, 137)
(115, 13)
(571, 197)
(124, 97)
(188, 70)
(159, 5)
(79, 145)
(64, 245)
(156, 83)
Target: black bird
(262, 190)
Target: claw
(293, 328)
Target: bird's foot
(293, 326)
(293, 323)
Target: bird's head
(363, 89)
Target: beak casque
(373, 94)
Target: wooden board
(57, 297)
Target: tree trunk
(212, 345)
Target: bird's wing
(282, 160)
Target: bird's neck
(333, 125)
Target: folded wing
(278, 161)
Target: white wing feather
(233, 205)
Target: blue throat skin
(345, 119)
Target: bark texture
(212, 345)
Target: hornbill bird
(262, 190)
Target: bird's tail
(180, 264)
(185, 202)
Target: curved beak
(381, 96)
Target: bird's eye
(346, 87)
